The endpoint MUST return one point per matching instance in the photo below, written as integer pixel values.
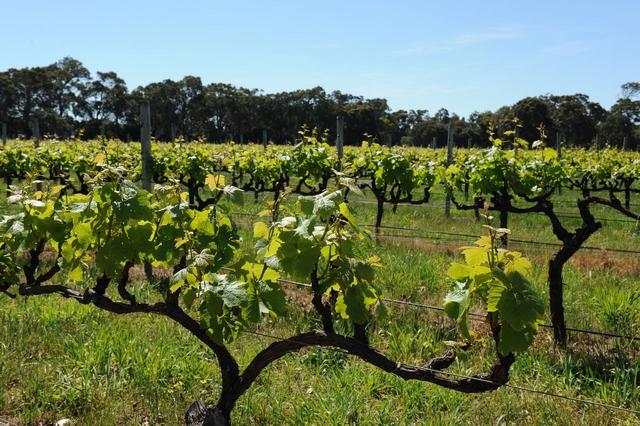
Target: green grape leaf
(356, 304)
(475, 256)
(364, 272)
(232, 293)
(305, 204)
(456, 306)
(494, 294)
(306, 227)
(264, 298)
(139, 239)
(214, 182)
(297, 256)
(178, 279)
(520, 305)
(202, 223)
(344, 210)
(515, 341)
(84, 234)
(326, 204)
(460, 272)
(76, 274)
(189, 296)
(260, 230)
(234, 194)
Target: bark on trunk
(148, 270)
(504, 223)
(215, 417)
(556, 305)
(571, 244)
(379, 214)
(192, 191)
(201, 415)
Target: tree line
(70, 101)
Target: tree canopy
(70, 101)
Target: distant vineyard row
(399, 172)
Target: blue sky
(465, 56)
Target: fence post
(174, 132)
(264, 139)
(145, 144)
(340, 138)
(625, 140)
(4, 142)
(466, 185)
(388, 139)
(559, 151)
(433, 142)
(447, 200)
(147, 162)
(35, 130)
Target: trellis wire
(474, 316)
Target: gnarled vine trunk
(556, 297)
(571, 243)
(379, 213)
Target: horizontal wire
(478, 316)
(531, 242)
(474, 316)
(460, 234)
(566, 215)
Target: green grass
(61, 359)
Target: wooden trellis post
(145, 144)
(447, 200)
(340, 137)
